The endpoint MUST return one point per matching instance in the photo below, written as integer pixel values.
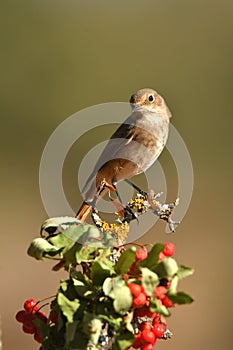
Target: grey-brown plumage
(133, 148)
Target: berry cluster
(148, 333)
(118, 297)
(28, 315)
(148, 325)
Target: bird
(131, 150)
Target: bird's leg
(138, 189)
(125, 212)
(104, 184)
(117, 201)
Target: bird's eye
(151, 98)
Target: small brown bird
(131, 150)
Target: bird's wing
(120, 139)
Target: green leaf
(84, 253)
(61, 241)
(57, 225)
(116, 289)
(149, 280)
(67, 306)
(79, 233)
(100, 270)
(180, 298)
(111, 284)
(125, 261)
(174, 284)
(74, 233)
(79, 342)
(42, 326)
(167, 268)
(152, 260)
(122, 300)
(123, 341)
(39, 247)
(71, 330)
(92, 327)
(184, 271)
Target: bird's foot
(129, 215)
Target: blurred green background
(58, 57)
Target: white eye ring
(151, 98)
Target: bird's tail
(84, 211)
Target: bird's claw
(129, 215)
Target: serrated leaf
(67, 306)
(100, 270)
(149, 280)
(184, 271)
(125, 261)
(153, 257)
(167, 268)
(180, 298)
(39, 247)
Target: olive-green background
(58, 57)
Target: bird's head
(150, 100)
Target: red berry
(144, 311)
(169, 249)
(135, 289)
(156, 320)
(141, 254)
(30, 330)
(31, 305)
(137, 341)
(149, 313)
(159, 330)
(148, 336)
(167, 302)
(145, 326)
(20, 316)
(161, 256)
(37, 336)
(148, 346)
(139, 300)
(28, 320)
(160, 291)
